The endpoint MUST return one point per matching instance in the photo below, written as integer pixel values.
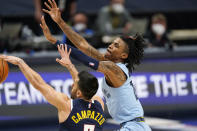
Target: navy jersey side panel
(85, 116)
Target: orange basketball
(4, 69)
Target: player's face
(116, 49)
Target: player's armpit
(114, 75)
(57, 99)
(99, 100)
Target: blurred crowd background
(164, 24)
(166, 81)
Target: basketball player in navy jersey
(84, 112)
(116, 64)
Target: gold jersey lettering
(100, 118)
(88, 113)
(74, 119)
(83, 114)
(92, 115)
(79, 117)
(101, 122)
(97, 116)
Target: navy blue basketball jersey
(84, 116)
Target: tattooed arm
(114, 75)
(74, 37)
(80, 42)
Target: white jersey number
(88, 127)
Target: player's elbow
(38, 84)
(83, 44)
(105, 66)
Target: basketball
(4, 69)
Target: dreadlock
(136, 50)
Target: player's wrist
(20, 61)
(52, 40)
(60, 21)
(69, 66)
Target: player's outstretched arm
(74, 37)
(66, 62)
(55, 98)
(114, 75)
(47, 32)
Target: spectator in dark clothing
(157, 35)
(67, 7)
(114, 19)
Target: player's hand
(65, 60)
(46, 31)
(11, 59)
(53, 10)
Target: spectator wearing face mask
(80, 25)
(114, 19)
(157, 35)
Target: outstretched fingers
(58, 60)
(65, 49)
(54, 3)
(46, 11)
(59, 49)
(69, 52)
(51, 3)
(62, 47)
(49, 7)
(42, 22)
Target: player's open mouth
(108, 51)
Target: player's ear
(124, 55)
(79, 94)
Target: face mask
(118, 8)
(80, 27)
(158, 29)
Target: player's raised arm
(65, 61)
(47, 32)
(74, 37)
(111, 71)
(59, 100)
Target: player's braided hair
(136, 50)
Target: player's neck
(118, 61)
(86, 99)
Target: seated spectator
(80, 25)
(114, 19)
(157, 35)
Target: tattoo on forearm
(78, 40)
(73, 36)
(92, 52)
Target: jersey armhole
(71, 104)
